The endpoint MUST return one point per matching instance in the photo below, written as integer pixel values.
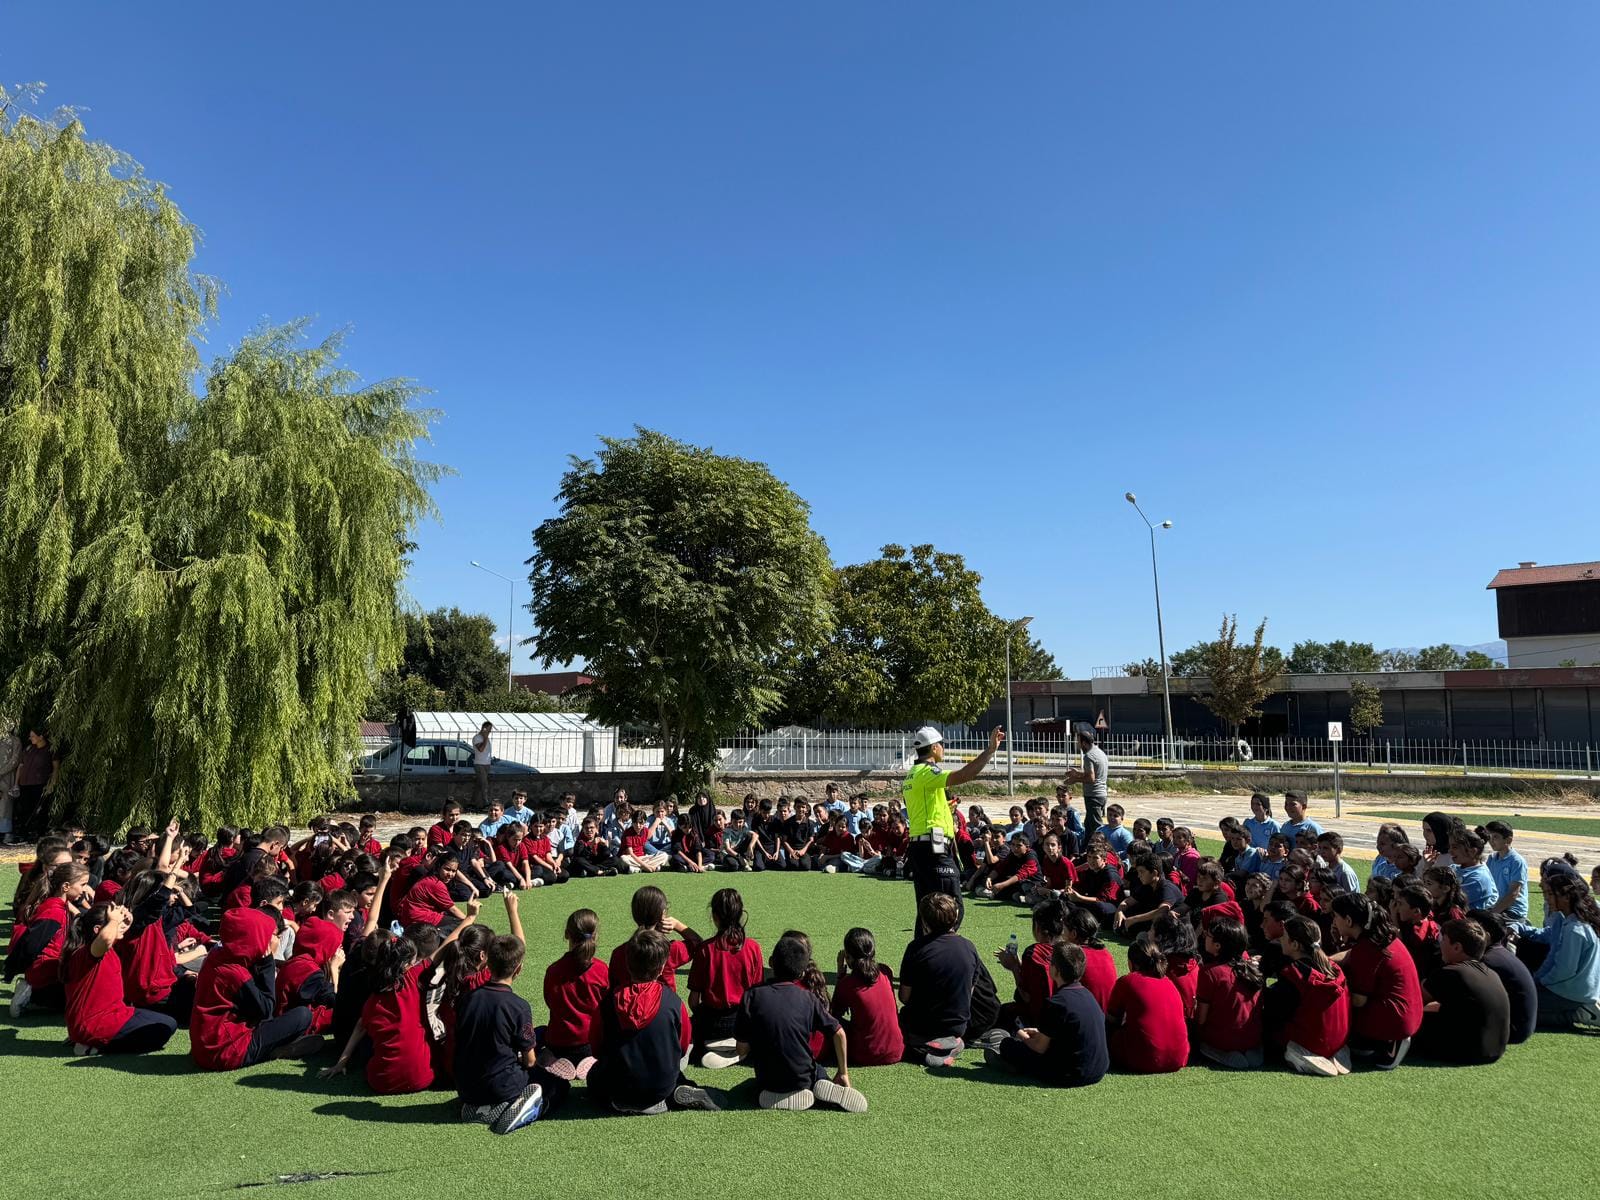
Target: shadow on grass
(377, 1110)
(149, 1065)
(12, 1043)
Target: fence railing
(799, 749)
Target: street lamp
(1161, 636)
(511, 607)
(1011, 754)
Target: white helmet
(927, 736)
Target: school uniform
(1348, 879)
(1521, 991)
(1104, 887)
(592, 859)
(1473, 1021)
(870, 1018)
(1292, 830)
(1308, 1008)
(232, 1024)
(1387, 977)
(839, 850)
(1187, 864)
(1034, 987)
(678, 954)
(36, 953)
(1569, 977)
(1078, 1054)
(440, 834)
(1120, 837)
(1478, 886)
(1232, 1030)
(1506, 870)
(778, 1021)
(1147, 1034)
(401, 1061)
(1099, 974)
(540, 847)
(507, 867)
(644, 1039)
(303, 980)
(721, 975)
(1382, 868)
(98, 1014)
(1184, 974)
(573, 991)
(1054, 876)
(427, 903)
(1261, 831)
(150, 975)
(494, 1032)
(1421, 940)
(942, 972)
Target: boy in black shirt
(938, 975)
(774, 1028)
(1068, 1049)
(1466, 1012)
(499, 1085)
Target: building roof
(554, 683)
(435, 723)
(1525, 574)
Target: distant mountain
(1495, 650)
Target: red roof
(554, 683)
(1559, 573)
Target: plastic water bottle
(1011, 945)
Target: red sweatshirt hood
(317, 939)
(246, 933)
(637, 1004)
(1315, 982)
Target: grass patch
(1530, 823)
(251, 1127)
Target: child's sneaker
(846, 1098)
(581, 1068)
(718, 1061)
(1388, 1062)
(696, 1098)
(524, 1110)
(481, 1114)
(941, 1052)
(80, 1050)
(1307, 1063)
(787, 1101)
(830, 869)
(657, 1109)
(21, 994)
(990, 1039)
(560, 1068)
(301, 1047)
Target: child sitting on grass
(863, 1001)
(938, 976)
(1308, 1010)
(1227, 1010)
(774, 1028)
(650, 912)
(497, 1080)
(722, 968)
(1144, 1018)
(574, 986)
(1067, 1047)
(1468, 1017)
(1031, 970)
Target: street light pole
(1161, 635)
(511, 608)
(1011, 760)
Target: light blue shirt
(519, 814)
(1478, 886)
(563, 838)
(1572, 968)
(1260, 831)
(1347, 875)
(838, 806)
(1382, 868)
(1120, 837)
(490, 828)
(1291, 830)
(1251, 860)
(858, 822)
(1507, 869)
(1273, 869)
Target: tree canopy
(452, 660)
(1238, 674)
(196, 589)
(1332, 658)
(912, 641)
(682, 578)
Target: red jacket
(1387, 977)
(219, 1034)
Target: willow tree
(680, 577)
(196, 589)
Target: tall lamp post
(1011, 754)
(511, 608)
(1161, 636)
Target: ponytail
(727, 914)
(582, 925)
(1303, 932)
(1233, 945)
(861, 954)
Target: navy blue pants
(142, 1033)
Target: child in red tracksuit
(233, 1025)
(721, 970)
(390, 1034)
(574, 987)
(650, 912)
(864, 1003)
(149, 948)
(1099, 967)
(1307, 1011)
(643, 1038)
(1146, 1034)
(99, 1018)
(1031, 969)
(1385, 993)
(310, 977)
(37, 946)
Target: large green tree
(196, 590)
(452, 660)
(1238, 675)
(1333, 658)
(682, 578)
(913, 641)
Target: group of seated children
(1267, 950)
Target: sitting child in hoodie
(233, 1025)
(643, 1038)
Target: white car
(435, 757)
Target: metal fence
(800, 749)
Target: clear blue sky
(1319, 285)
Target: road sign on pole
(1336, 735)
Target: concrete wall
(1580, 648)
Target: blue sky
(1318, 285)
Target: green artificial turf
(1530, 823)
(154, 1126)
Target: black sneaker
(688, 1096)
(524, 1110)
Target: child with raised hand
(774, 1028)
(650, 911)
(643, 1037)
(1144, 1017)
(1031, 970)
(99, 1018)
(232, 1024)
(721, 969)
(1385, 993)
(863, 1001)
(497, 1080)
(1227, 1012)
(574, 986)
(398, 1058)
(1307, 1013)
(1067, 1048)
(36, 951)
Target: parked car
(435, 757)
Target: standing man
(932, 862)
(482, 760)
(1092, 775)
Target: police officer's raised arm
(970, 770)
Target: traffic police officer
(932, 826)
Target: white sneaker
(846, 1098)
(21, 994)
(830, 869)
(523, 1111)
(717, 1062)
(1307, 1063)
(788, 1101)
(538, 883)
(81, 1050)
